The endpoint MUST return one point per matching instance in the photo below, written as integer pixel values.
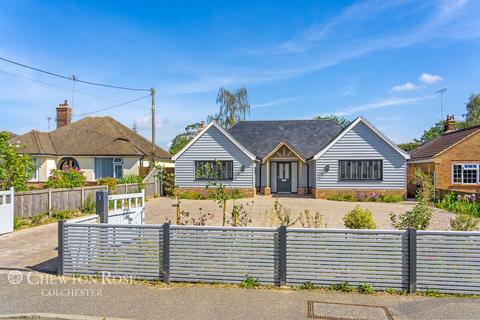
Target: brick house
(453, 159)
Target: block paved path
(33, 248)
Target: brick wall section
(325, 193)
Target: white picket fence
(6, 211)
(127, 208)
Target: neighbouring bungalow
(98, 146)
(453, 159)
(316, 157)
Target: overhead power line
(111, 107)
(72, 78)
(67, 89)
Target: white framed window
(108, 167)
(465, 173)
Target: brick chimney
(449, 124)
(64, 114)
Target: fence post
(60, 246)
(49, 201)
(412, 260)
(166, 253)
(282, 242)
(101, 205)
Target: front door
(284, 176)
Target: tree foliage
(340, 120)
(234, 106)
(16, 169)
(182, 139)
(472, 116)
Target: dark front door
(284, 176)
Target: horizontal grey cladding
(326, 257)
(226, 255)
(214, 145)
(102, 249)
(448, 261)
(361, 143)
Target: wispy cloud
(381, 103)
(273, 103)
(408, 86)
(428, 78)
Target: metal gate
(6, 211)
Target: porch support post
(268, 191)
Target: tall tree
(233, 107)
(340, 120)
(15, 168)
(182, 139)
(472, 117)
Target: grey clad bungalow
(316, 157)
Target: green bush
(88, 206)
(466, 204)
(110, 182)
(391, 198)
(365, 197)
(133, 179)
(419, 218)
(342, 286)
(249, 282)
(64, 215)
(359, 218)
(366, 288)
(67, 178)
(464, 222)
(342, 197)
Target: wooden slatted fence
(448, 261)
(441, 260)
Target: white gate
(127, 208)
(6, 211)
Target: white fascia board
(372, 127)
(223, 131)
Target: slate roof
(92, 136)
(432, 148)
(306, 137)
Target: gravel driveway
(160, 209)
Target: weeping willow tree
(234, 106)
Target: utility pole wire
(111, 107)
(72, 78)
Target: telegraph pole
(441, 91)
(152, 93)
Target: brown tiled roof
(100, 136)
(431, 148)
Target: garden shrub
(133, 179)
(307, 286)
(110, 182)
(359, 218)
(281, 215)
(67, 178)
(467, 204)
(88, 205)
(365, 197)
(464, 222)
(308, 220)
(419, 218)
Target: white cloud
(428, 78)
(408, 86)
(381, 103)
(273, 103)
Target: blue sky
(380, 59)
